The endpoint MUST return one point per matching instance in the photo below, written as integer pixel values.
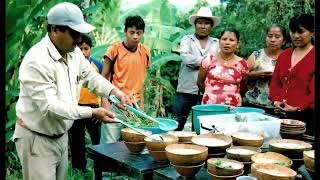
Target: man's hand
(104, 115)
(121, 96)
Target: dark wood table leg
(97, 168)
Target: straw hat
(204, 12)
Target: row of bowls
(215, 143)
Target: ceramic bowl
(308, 158)
(224, 167)
(267, 171)
(242, 153)
(186, 154)
(159, 156)
(184, 137)
(187, 171)
(291, 148)
(272, 157)
(292, 123)
(247, 139)
(216, 143)
(216, 177)
(130, 135)
(159, 145)
(135, 147)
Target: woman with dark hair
(261, 64)
(220, 74)
(292, 84)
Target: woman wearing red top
(292, 84)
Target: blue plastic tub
(207, 109)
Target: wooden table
(169, 173)
(115, 157)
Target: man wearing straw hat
(193, 48)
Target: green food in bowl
(222, 164)
(281, 163)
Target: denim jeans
(182, 107)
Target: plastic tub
(212, 109)
(207, 109)
(247, 109)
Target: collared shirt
(50, 87)
(192, 53)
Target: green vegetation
(26, 25)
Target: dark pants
(77, 139)
(182, 107)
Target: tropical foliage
(26, 25)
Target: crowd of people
(63, 90)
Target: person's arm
(201, 78)
(38, 81)
(142, 99)
(250, 61)
(275, 86)
(106, 68)
(256, 74)
(187, 55)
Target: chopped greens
(239, 118)
(222, 164)
(281, 163)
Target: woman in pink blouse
(220, 74)
(292, 84)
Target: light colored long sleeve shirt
(191, 53)
(50, 88)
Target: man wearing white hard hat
(51, 75)
(193, 48)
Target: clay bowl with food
(184, 137)
(224, 166)
(216, 143)
(159, 156)
(247, 139)
(308, 158)
(242, 153)
(217, 177)
(273, 158)
(267, 171)
(130, 135)
(291, 148)
(158, 142)
(186, 154)
(187, 171)
(135, 147)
